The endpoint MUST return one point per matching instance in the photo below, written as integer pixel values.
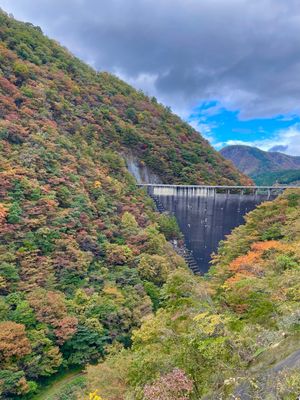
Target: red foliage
(65, 329)
(172, 386)
(49, 306)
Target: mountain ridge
(255, 162)
(125, 117)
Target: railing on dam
(206, 214)
(166, 189)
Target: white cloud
(205, 129)
(143, 81)
(287, 137)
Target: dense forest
(289, 177)
(83, 255)
(87, 273)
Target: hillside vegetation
(86, 270)
(232, 335)
(50, 90)
(264, 167)
(83, 255)
(288, 177)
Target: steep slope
(83, 256)
(255, 162)
(231, 335)
(46, 82)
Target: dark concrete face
(207, 215)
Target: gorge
(206, 214)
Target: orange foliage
(3, 213)
(13, 341)
(65, 329)
(49, 306)
(261, 247)
(251, 264)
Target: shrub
(14, 213)
(118, 254)
(169, 227)
(154, 268)
(172, 386)
(21, 70)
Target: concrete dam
(206, 214)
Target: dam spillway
(206, 214)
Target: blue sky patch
(222, 127)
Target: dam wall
(206, 214)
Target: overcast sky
(229, 67)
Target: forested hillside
(288, 177)
(45, 88)
(264, 167)
(83, 255)
(234, 334)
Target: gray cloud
(244, 53)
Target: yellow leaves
(95, 396)
(97, 184)
(114, 292)
(293, 293)
(3, 283)
(116, 186)
(107, 182)
(199, 317)
(108, 179)
(153, 329)
(128, 223)
(208, 323)
(75, 90)
(21, 69)
(154, 268)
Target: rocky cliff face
(139, 170)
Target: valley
(96, 300)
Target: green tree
(14, 213)
(21, 70)
(85, 346)
(169, 227)
(154, 268)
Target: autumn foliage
(80, 244)
(172, 386)
(85, 259)
(213, 336)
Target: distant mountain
(264, 167)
